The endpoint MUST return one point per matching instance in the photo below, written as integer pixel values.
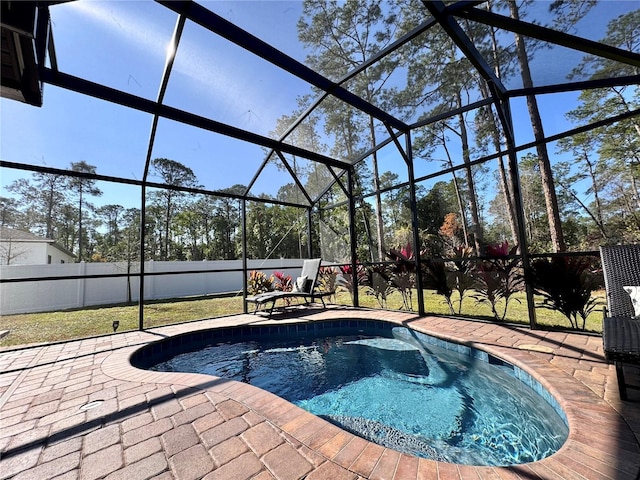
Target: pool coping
(587, 453)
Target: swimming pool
(460, 404)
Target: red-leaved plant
(283, 282)
(461, 277)
(403, 273)
(498, 278)
(379, 284)
(347, 280)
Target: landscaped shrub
(498, 278)
(347, 279)
(566, 285)
(461, 278)
(403, 272)
(435, 277)
(259, 282)
(282, 282)
(327, 281)
(379, 284)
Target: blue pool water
(397, 390)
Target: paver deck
(80, 410)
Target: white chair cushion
(634, 293)
(300, 285)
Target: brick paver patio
(80, 410)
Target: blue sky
(123, 44)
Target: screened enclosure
(441, 157)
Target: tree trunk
(504, 178)
(596, 193)
(473, 200)
(80, 227)
(164, 253)
(49, 219)
(456, 187)
(548, 187)
(376, 186)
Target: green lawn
(72, 324)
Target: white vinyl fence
(41, 295)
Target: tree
(608, 157)
(488, 129)
(110, 216)
(342, 36)
(9, 212)
(440, 80)
(168, 200)
(188, 227)
(67, 222)
(546, 174)
(432, 208)
(260, 234)
(82, 186)
(313, 176)
(535, 215)
(587, 167)
(42, 198)
(226, 225)
(395, 204)
(566, 15)
(535, 212)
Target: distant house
(23, 248)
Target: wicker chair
(620, 329)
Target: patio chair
(621, 324)
(304, 288)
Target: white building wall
(57, 255)
(50, 295)
(32, 253)
(24, 253)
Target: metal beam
(337, 181)
(294, 176)
(577, 86)
(413, 205)
(140, 183)
(403, 154)
(171, 55)
(216, 24)
(310, 234)
(550, 35)
(362, 67)
(453, 29)
(244, 255)
(97, 90)
(353, 238)
(142, 230)
(452, 113)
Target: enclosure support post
(175, 40)
(143, 221)
(414, 223)
(244, 254)
(309, 234)
(504, 113)
(353, 237)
